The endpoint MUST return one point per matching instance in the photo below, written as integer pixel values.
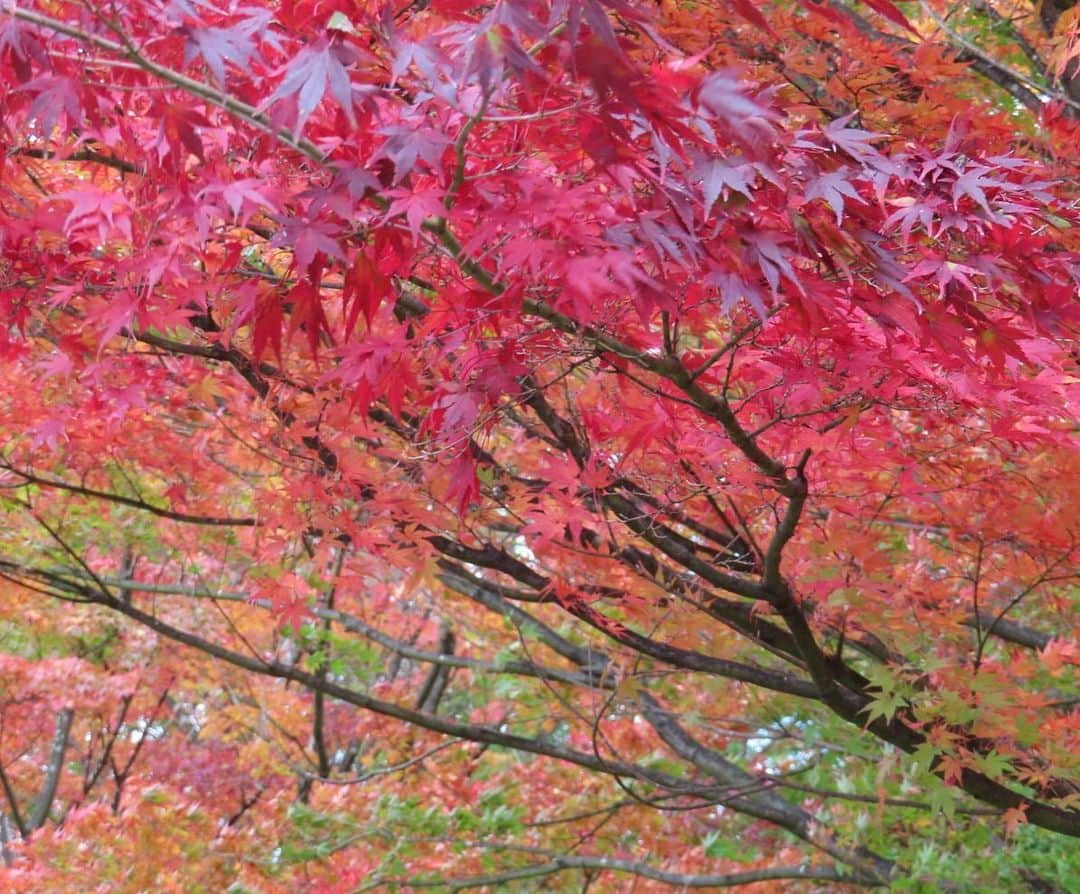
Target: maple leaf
(365, 288)
(22, 46)
(731, 101)
(242, 197)
(292, 611)
(946, 272)
(1058, 654)
(216, 46)
(832, 187)
(855, 141)
(892, 13)
(734, 289)
(417, 206)
(749, 11)
(1014, 817)
(911, 211)
(323, 63)
(180, 131)
(309, 239)
(841, 18)
(455, 413)
(718, 177)
(405, 144)
(59, 364)
(972, 183)
(463, 486)
(766, 249)
(54, 95)
(49, 433)
(113, 316)
(104, 211)
(267, 328)
(306, 313)
(593, 13)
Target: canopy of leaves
(603, 445)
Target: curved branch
(204, 91)
(355, 625)
(141, 505)
(52, 772)
(563, 862)
(765, 805)
(743, 797)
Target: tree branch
(765, 805)
(55, 767)
(141, 505)
(563, 862)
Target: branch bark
(55, 767)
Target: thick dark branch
(318, 721)
(672, 369)
(491, 557)
(734, 551)
(142, 505)
(53, 770)
(13, 803)
(765, 805)
(565, 434)
(676, 548)
(1004, 78)
(349, 622)
(434, 685)
(779, 593)
(1013, 83)
(563, 862)
(80, 155)
(850, 706)
(1015, 37)
(1010, 631)
(777, 681)
(472, 732)
(487, 735)
(460, 581)
(771, 577)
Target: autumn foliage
(539, 445)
